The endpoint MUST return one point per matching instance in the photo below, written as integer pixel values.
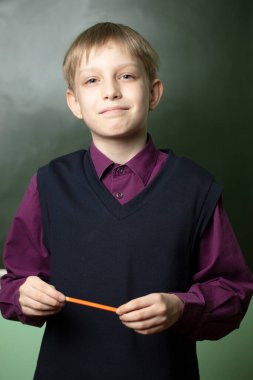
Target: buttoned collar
(142, 164)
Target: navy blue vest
(110, 253)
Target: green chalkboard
(205, 114)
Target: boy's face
(112, 93)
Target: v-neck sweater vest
(110, 253)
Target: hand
(39, 299)
(151, 314)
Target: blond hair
(97, 36)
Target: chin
(126, 134)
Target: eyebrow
(117, 67)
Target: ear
(73, 103)
(155, 93)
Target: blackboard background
(206, 112)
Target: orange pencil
(91, 304)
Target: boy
(122, 224)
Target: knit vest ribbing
(109, 253)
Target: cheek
(86, 103)
(144, 102)
(144, 96)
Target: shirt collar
(100, 161)
(142, 164)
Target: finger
(135, 304)
(42, 303)
(140, 314)
(145, 325)
(49, 290)
(39, 313)
(37, 294)
(153, 330)
(34, 287)
(47, 297)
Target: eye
(127, 76)
(91, 81)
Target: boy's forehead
(94, 52)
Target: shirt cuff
(190, 319)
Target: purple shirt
(221, 288)
(126, 181)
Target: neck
(121, 151)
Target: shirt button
(119, 195)
(120, 170)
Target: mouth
(113, 109)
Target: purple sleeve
(24, 255)
(222, 288)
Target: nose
(111, 89)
